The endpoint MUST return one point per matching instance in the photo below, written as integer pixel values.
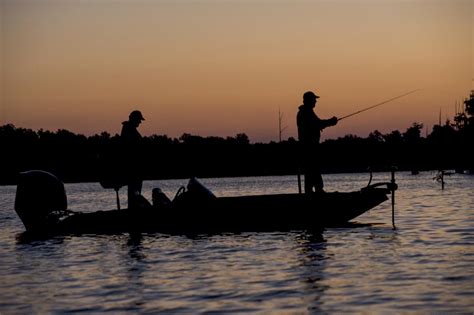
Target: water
(426, 265)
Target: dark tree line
(77, 158)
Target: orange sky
(222, 67)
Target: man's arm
(328, 122)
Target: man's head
(135, 117)
(309, 98)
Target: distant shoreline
(260, 175)
(76, 158)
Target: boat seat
(115, 184)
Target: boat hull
(282, 212)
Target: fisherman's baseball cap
(136, 114)
(309, 95)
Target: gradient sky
(222, 67)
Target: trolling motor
(390, 186)
(40, 200)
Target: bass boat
(41, 204)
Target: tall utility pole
(280, 129)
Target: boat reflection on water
(313, 259)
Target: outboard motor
(40, 199)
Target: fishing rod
(373, 106)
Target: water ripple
(426, 265)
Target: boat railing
(388, 185)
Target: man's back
(129, 134)
(309, 125)
(131, 147)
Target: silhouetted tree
(464, 123)
(414, 146)
(78, 158)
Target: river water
(426, 265)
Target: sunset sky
(222, 67)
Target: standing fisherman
(309, 134)
(131, 141)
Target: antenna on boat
(280, 128)
(381, 103)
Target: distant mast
(280, 129)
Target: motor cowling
(39, 197)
